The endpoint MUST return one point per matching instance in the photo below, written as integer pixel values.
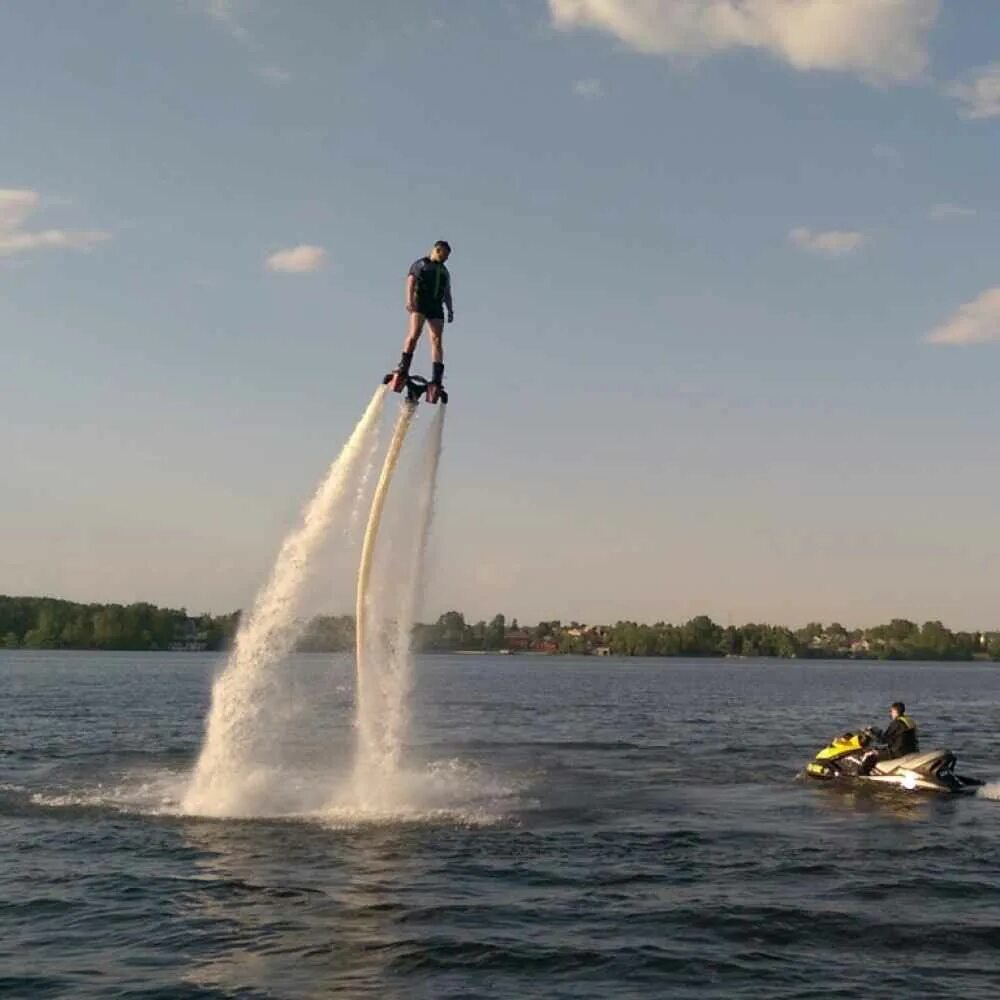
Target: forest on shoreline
(51, 623)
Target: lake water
(592, 828)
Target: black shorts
(430, 310)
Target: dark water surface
(610, 829)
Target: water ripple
(633, 830)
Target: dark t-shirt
(433, 281)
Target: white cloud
(980, 93)
(589, 89)
(297, 260)
(879, 40)
(946, 211)
(976, 322)
(16, 206)
(832, 242)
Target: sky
(726, 279)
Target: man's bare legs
(436, 326)
(413, 332)
(416, 326)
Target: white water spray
(361, 493)
(370, 645)
(238, 772)
(384, 657)
(400, 662)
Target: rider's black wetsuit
(900, 738)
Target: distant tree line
(899, 640)
(701, 637)
(452, 633)
(49, 623)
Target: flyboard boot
(435, 389)
(399, 377)
(416, 386)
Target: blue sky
(726, 285)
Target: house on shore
(518, 640)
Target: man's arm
(447, 300)
(411, 293)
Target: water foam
(154, 794)
(239, 771)
(991, 790)
(452, 792)
(443, 791)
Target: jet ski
(848, 756)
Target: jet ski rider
(900, 738)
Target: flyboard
(415, 387)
